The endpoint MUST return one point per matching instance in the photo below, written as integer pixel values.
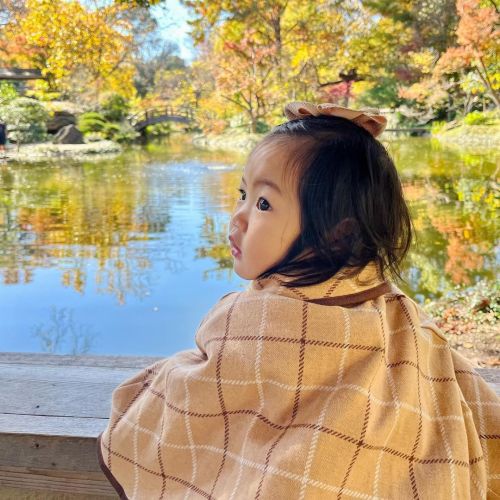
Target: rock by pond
(68, 134)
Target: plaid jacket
(343, 389)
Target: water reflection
(453, 198)
(214, 235)
(66, 215)
(145, 226)
(63, 335)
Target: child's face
(266, 219)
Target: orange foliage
(461, 260)
(476, 33)
(465, 254)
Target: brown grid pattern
(289, 396)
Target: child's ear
(344, 235)
(346, 227)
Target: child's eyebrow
(264, 182)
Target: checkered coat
(343, 389)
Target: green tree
(26, 120)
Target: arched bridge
(161, 114)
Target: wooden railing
(52, 408)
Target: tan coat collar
(341, 289)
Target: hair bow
(370, 119)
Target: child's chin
(243, 273)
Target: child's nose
(239, 218)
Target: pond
(126, 255)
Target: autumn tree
(478, 46)
(11, 48)
(432, 22)
(76, 48)
(264, 52)
(150, 63)
(243, 72)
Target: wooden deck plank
(55, 481)
(12, 493)
(58, 399)
(72, 373)
(66, 360)
(54, 391)
(43, 425)
(71, 454)
(52, 408)
(492, 376)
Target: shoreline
(469, 318)
(466, 136)
(483, 136)
(476, 136)
(234, 141)
(47, 150)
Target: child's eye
(262, 204)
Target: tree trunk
(484, 77)
(278, 45)
(253, 123)
(448, 111)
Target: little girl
(322, 379)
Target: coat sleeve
(483, 406)
(481, 410)
(114, 443)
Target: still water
(126, 255)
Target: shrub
(7, 93)
(110, 129)
(477, 118)
(26, 120)
(126, 133)
(262, 127)
(94, 115)
(119, 132)
(159, 129)
(437, 127)
(96, 127)
(91, 122)
(115, 108)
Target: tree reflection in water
(63, 335)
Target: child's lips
(235, 251)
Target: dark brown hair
(352, 209)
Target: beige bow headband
(370, 120)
